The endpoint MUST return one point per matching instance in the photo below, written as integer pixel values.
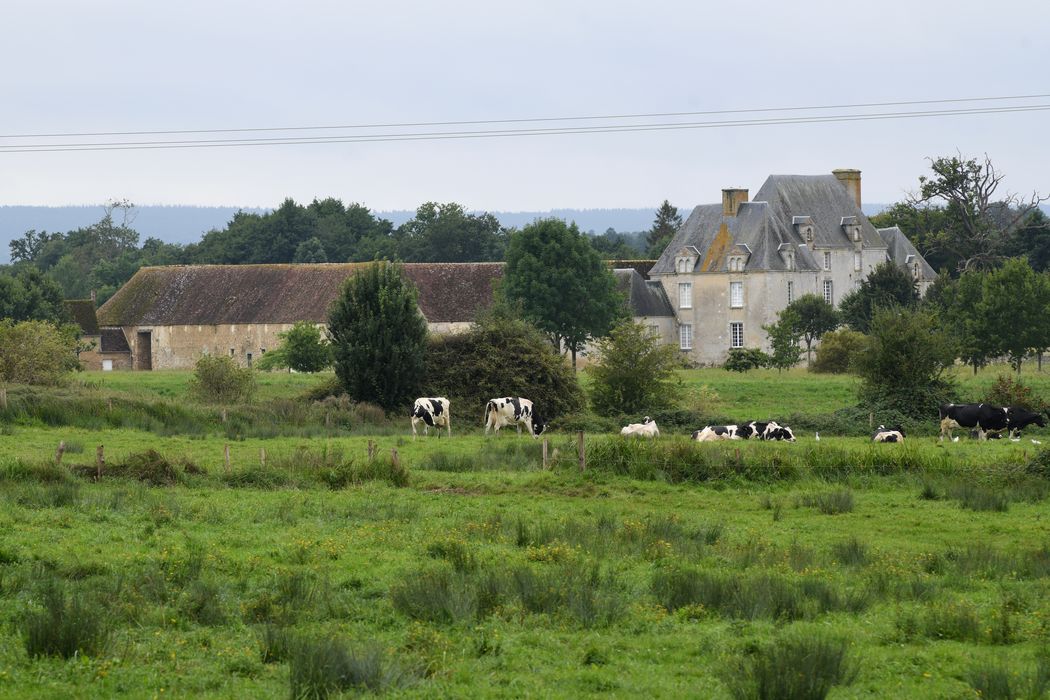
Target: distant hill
(186, 223)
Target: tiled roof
(83, 313)
(643, 298)
(186, 295)
(114, 340)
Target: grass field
(916, 570)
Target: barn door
(144, 350)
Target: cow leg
(413, 427)
(946, 428)
(448, 424)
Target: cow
(778, 432)
(513, 410)
(753, 430)
(982, 416)
(431, 413)
(647, 428)
(1019, 418)
(716, 432)
(884, 434)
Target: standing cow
(431, 413)
(513, 410)
(983, 416)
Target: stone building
(732, 267)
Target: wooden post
(226, 452)
(59, 452)
(224, 415)
(371, 450)
(581, 450)
(100, 462)
(394, 459)
(3, 398)
(327, 419)
(545, 462)
(262, 457)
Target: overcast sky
(143, 66)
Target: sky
(110, 66)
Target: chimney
(94, 297)
(850, 179)
(732, 198)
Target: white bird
(1036, 442)
(955, 439)
(1015, 439)
(817, 436)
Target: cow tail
(488, 410)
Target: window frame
(689, 286)
(858, 261)
(736, 327)
(736, 302)
(685, 333)
(827, 260)
(829, 292)
(790, 291)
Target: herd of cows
(985, 421)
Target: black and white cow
(1020, 418)
(982, 416)
(431, 413)
(647, 428)
(778, 432)
(513, 410)
(717, 432)
(753, 430)
(884, 434)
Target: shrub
(634, 372)
(830, 502)
(795, 666)
(1008, 391)
(319, 668)
(149, 467)
(202, 603)
(302, 349)
(745, 359)
(837, 351)
(993, 680)
(36, 352)
(218, 379)
(64, 625)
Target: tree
(888, 285)
(614, 246)
(838, 350)
(36, 352)
(448, 233)
(31, 295)
(378, 337)
(1013, 310)
(784, 337)
(310, 251)
(560, 284)
(813, 318)
(665, 226)
(635, 373)
(904, 366)
(302, 349)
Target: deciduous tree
(888, 285)
(635, 373)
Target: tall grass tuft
(830, 502)
(323, 667)
(979, 497)
(993, 680)
(63, 624)
(794, 666)
(851, 552)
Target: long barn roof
(190, 295)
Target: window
(262, 351)
(736, 295)
(827, 260)
(791, 291)
(654, 330)
(231, 352)
(685, 295)
(736, 334)
(685, 336)
(856, 261)
(249, 359)
(827, 292)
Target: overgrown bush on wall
(302, 348)
(218, 379)
(744, 359)
(837, 351)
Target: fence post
(59, 452)
(371, 450)
(545, 453)
(394, 459)
(581, 450)
(3, 398)
(100, 462)
(226, 454)
(224, 415)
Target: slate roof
(643, 298)
(767, 223)
(114, 340)
(898, 247)
(189, 295)
(82, 311)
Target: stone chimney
(850, 179)
(732, 198)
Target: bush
(837, 351)
(744, 359)
(500, 357)
(302, 349)
(635, 373)
(322, 667)
(1008, 391)
(35, 352)
(218, 379)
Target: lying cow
(717, 432)
(431, 413)
(755, 430)
(778, 432)
(512, 410)
(983, 416)
(884, 434)
(647, 428)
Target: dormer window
(738, 257)
(851, 227)
(685, 261)
(736, 264)
(787, 254)
(804, 227)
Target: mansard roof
(643, 298)
(192, 295)
(900, 249)
(767, 226)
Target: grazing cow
(778, 432)
(431, 413)
(1020, 418)
(647, 428)
(982, 416)
(883, 434)
(513, 410)
(716, 432)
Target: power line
(503, 133)
(653, 115)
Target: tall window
(685, 295)
(736, 295)
(736, 334)
(685, 336)
(654, 330)
(827, 292)
(856, 261)
(827, 260)
(791, 291)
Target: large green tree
(634, 373)
(31, 295)
(666, 224)
(784, 337)
(888, 285)
(378, 337)
(813, 317)
(448, 233)
(558, 282)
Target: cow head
(783, 433)
(647, 419)
(538, 426)
(899, 430)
